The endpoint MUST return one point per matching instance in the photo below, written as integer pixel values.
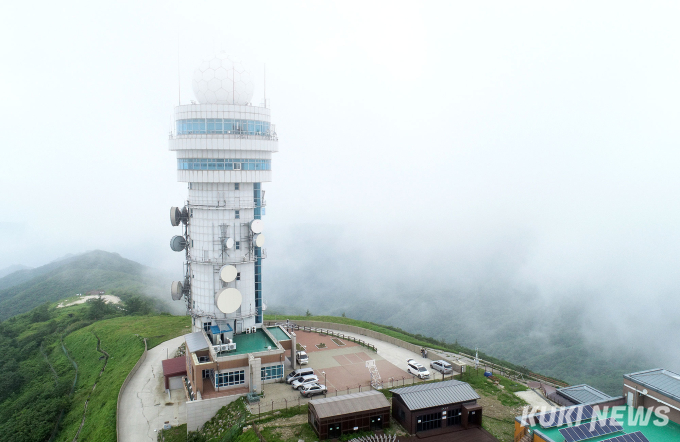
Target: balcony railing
(272, 136)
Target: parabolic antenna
(256, 225)
(228, 243)
(176, 290)
(178, 243)
(228, 300)
(258, 240)
(228, 273)
(175, 216)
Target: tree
(41, 313)
(308, 313)
(137, 305)
(343, 315)
(98, 308)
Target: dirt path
(54, 372)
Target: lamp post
(324, 383)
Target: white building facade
(224, 148)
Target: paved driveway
(145, 406)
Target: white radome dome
(223, 80)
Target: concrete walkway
(393, 353)
(534, 399)
(145, 406)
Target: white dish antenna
(258, 240)
(178, 243)
(228, 273)
(175, 216)
(228, 300)
(228, 243)
(256, 225)
(176, 290)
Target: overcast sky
(546, 130)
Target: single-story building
(576, 395)
(652, 389)
(173, 371)
(351, 413)
(448, 405)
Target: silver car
(441, 366)
(299, 382)
(312, 389)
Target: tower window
(237, 186)
(238, 276)
(238, 245)
(237, 214)
(206, 326)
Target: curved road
(145, 406)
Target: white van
(298, 373)
(302, 357)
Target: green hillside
(37, 387)
(26, 289)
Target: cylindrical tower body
(224, 153)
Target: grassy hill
(24, 290)
(37, 392)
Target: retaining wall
(141, 360)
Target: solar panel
(590, 430)
(566, 416)
(631, 437)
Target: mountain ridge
(23, 290)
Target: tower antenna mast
(265, 85)
(179, 83)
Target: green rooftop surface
(250, 343)
(668, 433)
(278, 333)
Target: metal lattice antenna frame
(376, 382)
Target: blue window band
(223, 164)
(222, 126)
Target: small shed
(173, 370)
(350, 413)
(443, 406)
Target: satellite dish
(228, 273)
(176, 290)
(228, 243)
(256, 225)
(258, 240)
(175, 216)
(228, 300)
(178, 243)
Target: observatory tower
(224, 149)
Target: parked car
(302, 357)
(308, 379)
(441, 366)
(313, 389)
(299, 372)
(417, 369)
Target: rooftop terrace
(250, 343)
(278, 333)
(626, 417)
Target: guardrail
(332, 333)
(323, 325)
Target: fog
(478, 160)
